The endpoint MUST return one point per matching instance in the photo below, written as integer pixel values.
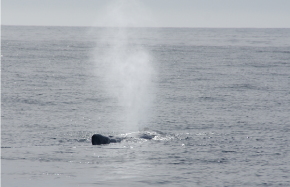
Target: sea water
(219, 107)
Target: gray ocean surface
(221, 109)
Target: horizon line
(148, 27)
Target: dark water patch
(243, 87)
(74, 140)
(207, 99)
(228, 151)
(31, 101)
(286, 52)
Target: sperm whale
(98, 139)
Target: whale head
(98, 139)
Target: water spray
(126, 67)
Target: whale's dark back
(98, 139)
